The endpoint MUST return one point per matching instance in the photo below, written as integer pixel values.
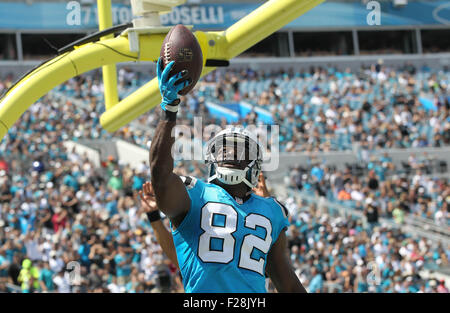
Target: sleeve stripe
(283, 208)
(189, 181)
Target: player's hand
(148, 200)
(261, 189)
(170, 86)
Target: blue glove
(169, 87)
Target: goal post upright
(109, 71)
(142, 43)
(222, 45)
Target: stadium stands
(59, 207)
(324, 109)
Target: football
(181, 46)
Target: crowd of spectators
(61, 216)
(323, 109)
(332, 254)
(318, 109)
(380, 189)
(66, 226)
(56, 207)
(70, 227)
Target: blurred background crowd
(339, 255)
(61, 216)
(381, 187)
(320, 109)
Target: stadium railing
(428, 225)
(414, 228)
(432, 60)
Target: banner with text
(75, 15)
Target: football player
(162, 234)
(226, 237)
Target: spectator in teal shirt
(115, 182)
(46, 277)
(317, 172)
(84, 250)
(138, 181)
(316, 283)
(71, 181)
(3, 264)
(123, 267)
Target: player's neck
(236, 191)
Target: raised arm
(171, 195)
(261, 189)
(162, 234)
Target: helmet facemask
(234, 157)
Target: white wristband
(171, 108)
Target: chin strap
(231, 176)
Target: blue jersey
(221, 244)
